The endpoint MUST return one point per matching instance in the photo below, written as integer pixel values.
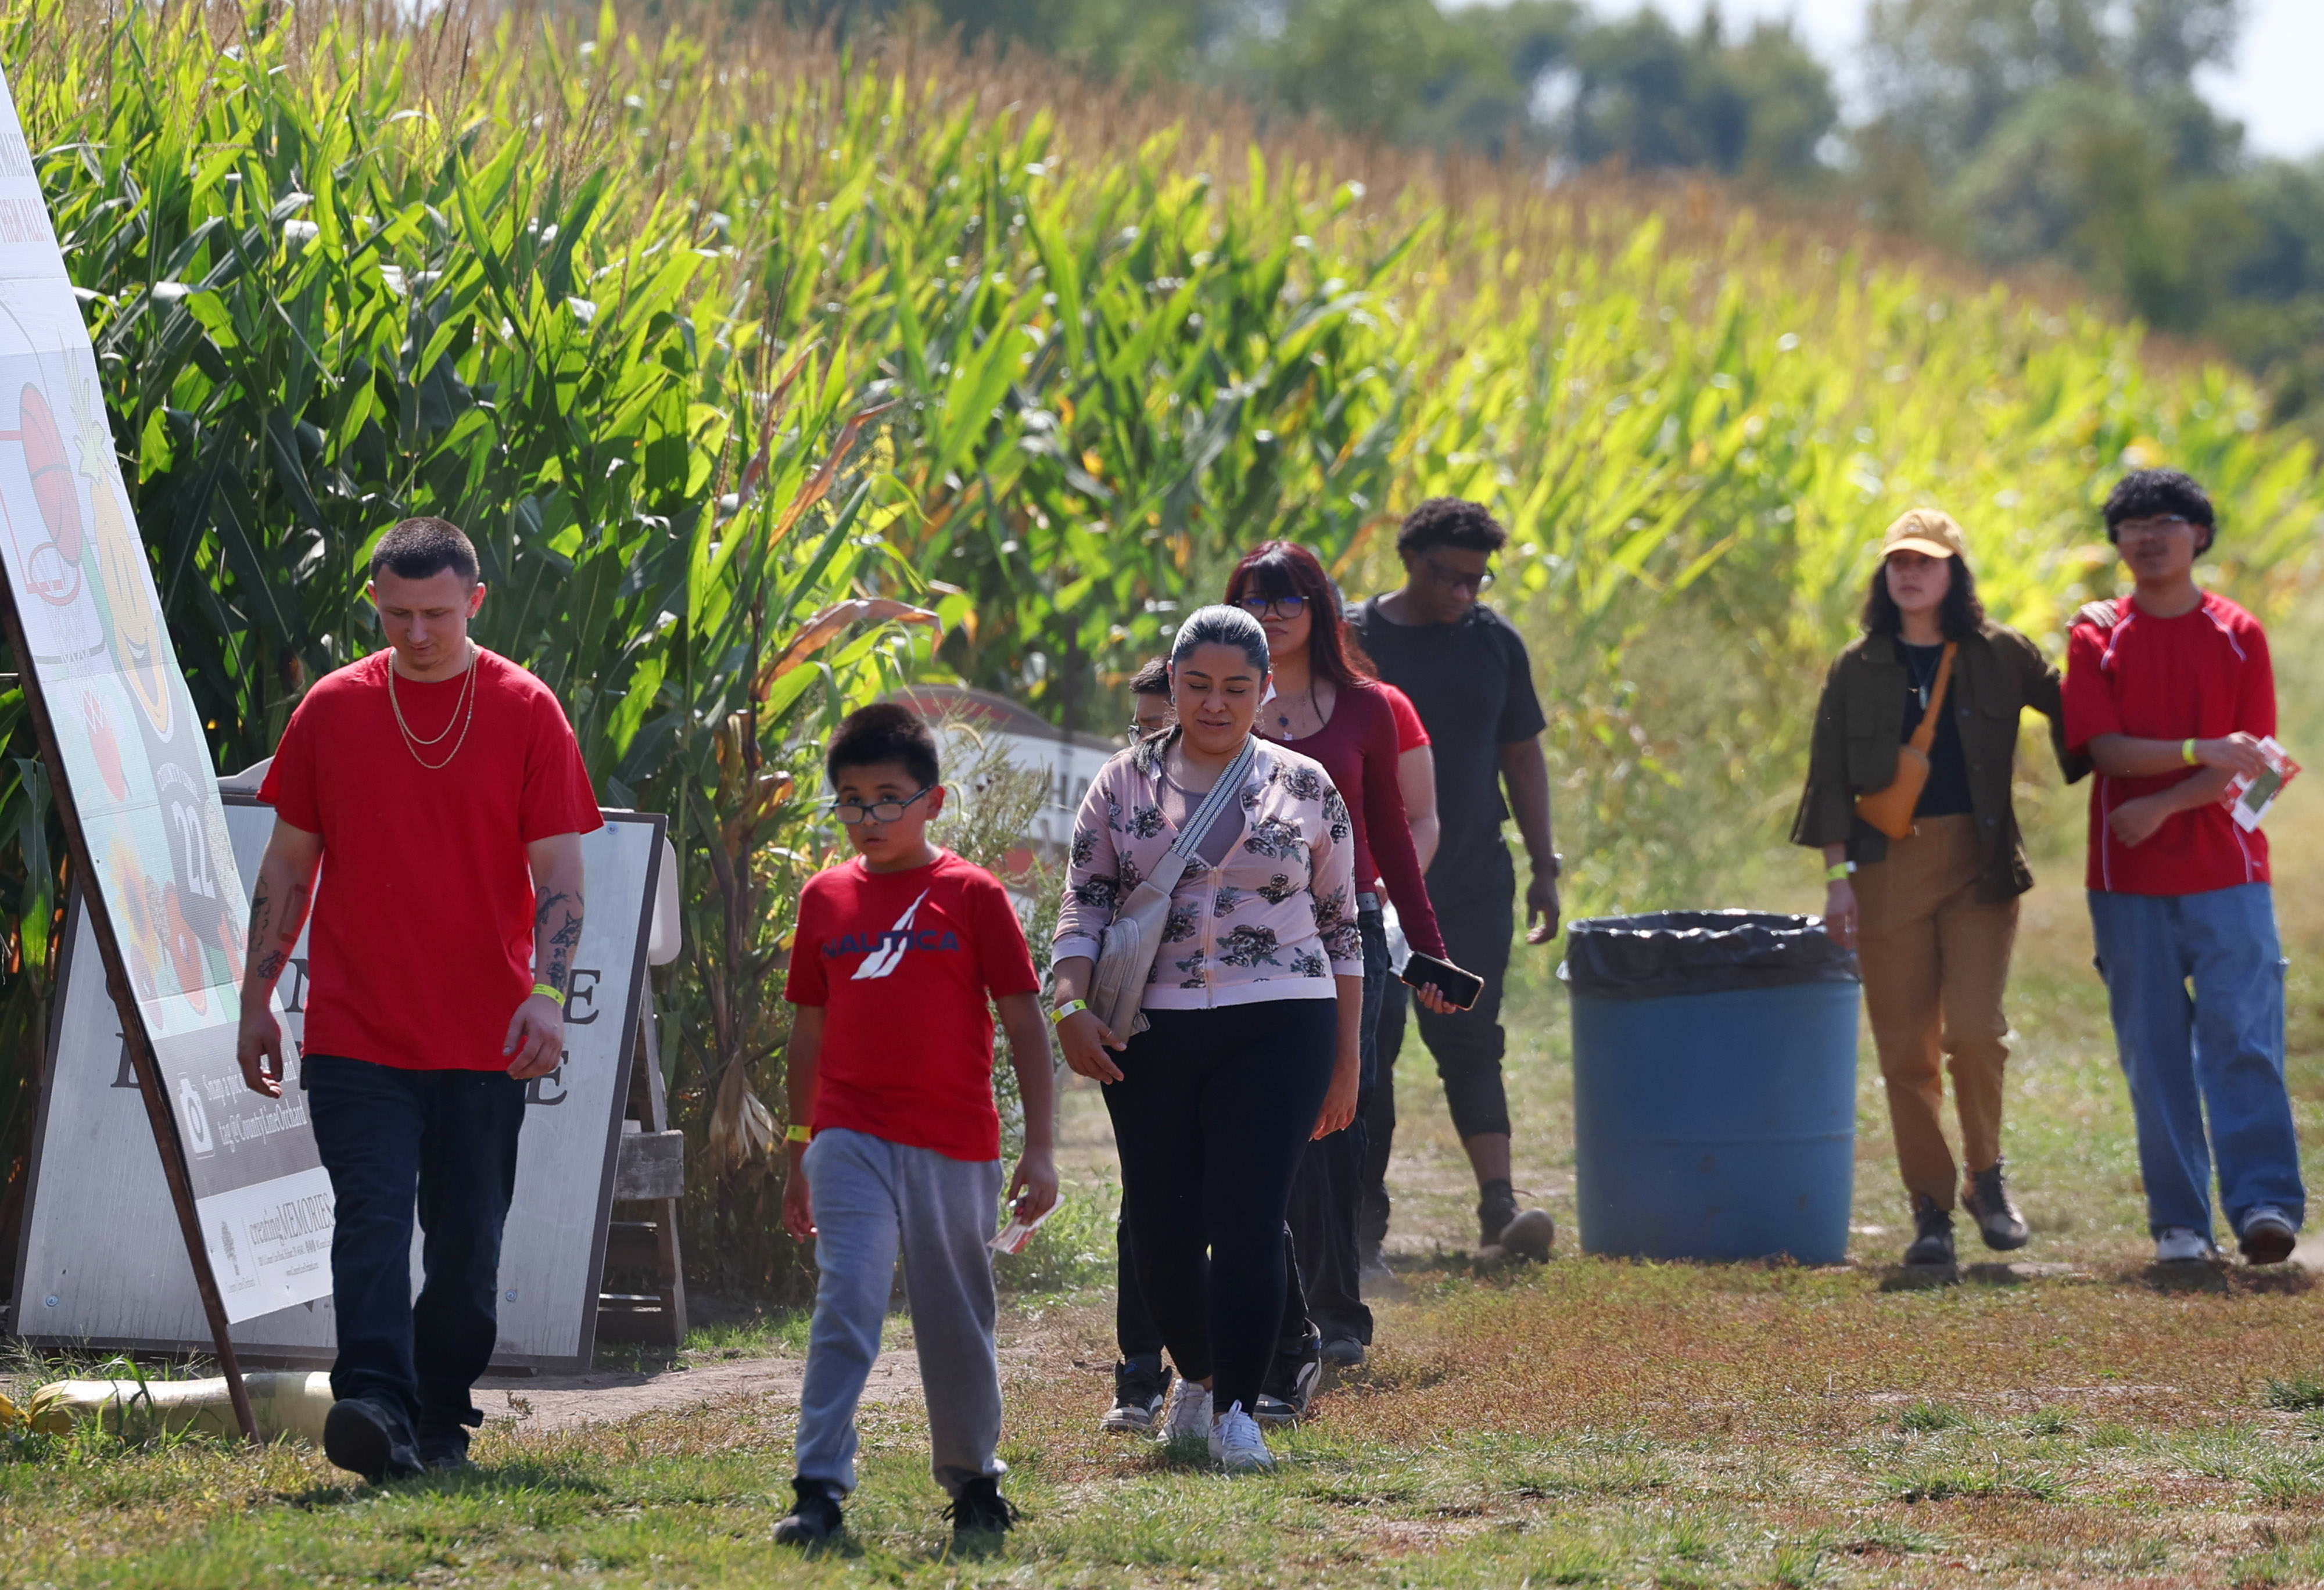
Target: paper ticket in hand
(2248, 796)
(1019, 1230)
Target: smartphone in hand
(1461, 988)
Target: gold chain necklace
(412, 742)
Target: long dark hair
(1960, 615)
(1276, 569)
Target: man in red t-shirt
(894, 1139)
(2170, 694)
(442, 784)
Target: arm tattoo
(554, 946)
(274, 933)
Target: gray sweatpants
(872, 1196)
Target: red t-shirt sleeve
(556, 797)
(1387, 834)
(2255, 687)
(805, 983)
(2089, 700)
(1411, 734)
(289, 786)
(1003, 960)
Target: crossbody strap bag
(1890, 810)
(1126, 948)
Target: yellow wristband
(1838, 871)
(1067, 1010)
(797, 1134)
(2187, 753)
(550, 991)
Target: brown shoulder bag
(1890, 810)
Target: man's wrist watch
(1554, 870)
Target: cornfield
(706, 332)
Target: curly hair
(1450, 522)
(2147, 493)
(1153, 679)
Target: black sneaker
(1141, 1386)
(366, 1437)
(1344, 1352)
(813, 1518)
(1290, 1383)
(2267, 1236)
(1986, 1196)
(444, 1452)
(980, 1515)
(1495, 1210)
(1933, 1234)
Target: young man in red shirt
(2171, 700)
(444, 787)
(895, 1140)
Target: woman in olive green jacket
(1933, 916)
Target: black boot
(1496, 1208)
(1933, 1234)
(814, 1518)
(1986, 1197)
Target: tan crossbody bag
(1890, 810)
(1126, 948)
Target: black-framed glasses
(1282, 607)
(1453, 579)
(2153, 524)
(852, 813)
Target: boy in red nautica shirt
(2170, 694)
(891, 1064)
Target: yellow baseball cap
(1927, 531)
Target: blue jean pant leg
(439, 1146)
(2236, 964)
(850, 1185)
(2221, 1047)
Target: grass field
(2077, 1421)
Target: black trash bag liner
(1664, 952)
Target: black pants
(1209, 1115)
(444, 1142)
(1323, 1266)
(1478, 914)
(1326, 1194)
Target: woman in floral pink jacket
(1254, 1010)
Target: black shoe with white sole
(367, 1437)
(1289, 1388)
(1141, 1386)
(1986, 1196)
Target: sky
(2273, 88)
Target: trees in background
(2070, 133)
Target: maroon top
(1358, 748)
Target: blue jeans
(444, 1143)
(2196, 982)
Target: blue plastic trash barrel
(1714, 1085)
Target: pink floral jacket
(1276, 920)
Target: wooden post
(157, 1112)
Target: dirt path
(606, 1396)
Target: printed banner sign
(100, 1265)
(136, 766)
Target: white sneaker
(2182, 1245)
(2268, 1235)
(1236, 1445)
(1188, 1417)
